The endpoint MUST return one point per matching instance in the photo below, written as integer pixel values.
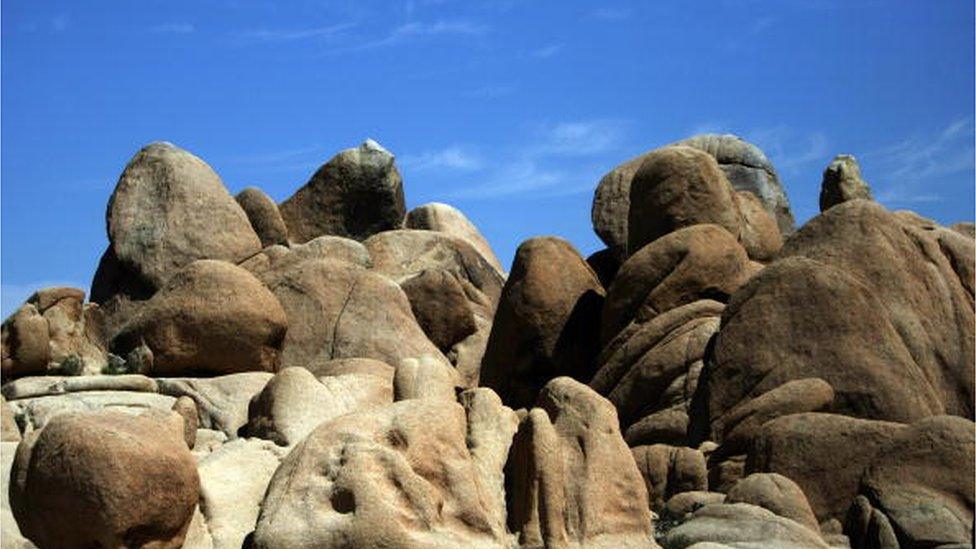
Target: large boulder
(339, 310)
(211, 317)
(169, 209)
(105, 479)
(611, 204)
(842, 182)
(356, 194)
(776, 493)
(545, 325)
(53, 332)
(276, 258)
(799, 318)
(748, 169)
(571, 477)
(441, 307)
(118, 291)
(692, 263)
(363, 469)
(824, 454)
(264, 216)
(741, 525)
(678, 186)
(670, 470)
(445, 218)
(922, 485)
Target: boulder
(118, 291)
(748, 169)
(776, 493)
(233, 480)
(842, 182)
(36, 412)
(343, 366)
(922, 275)
(444, 218)
(441, 307)
(264, 216)
(10, 536)
(668, 426)
(356, 194)
(339, 310)
(571, 477)
(276, 258)
(294, 403)
(211, 317)
(187, 409)
(425, 377)
(169, 209)
(966, 229)
(679, 186)
(692, 263)
(9, 431)
(921, 482)
(669, 470)
(611, 204)
(27, 387)
(104, 479)
(824, 454)
(741, 525)
(605, 264)
(685, 503)
(26, 343)
(393, 464)
(221, 401)
(544, 326)
(799, 318)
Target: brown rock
(692, 263)
(668, 426)
(571, 477)
(264, 216)
(776, 493)
(356, 194)
(450, 220)
(119, 292)
(394, 464)
(825, 454)
(26, 343)
(544, 326)
(211, 317)
(842, 182)
(740, 525)
(339, 310)
(922, 276)
(9, 432)
(106, 479)
(441, 307)
(800, 318)
(669, 470)
(169, 209)
(187, 409)
(605, 264)
(679, 186)
(611, 204)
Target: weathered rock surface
(356, 194)
(10, 536)
(36, 386)
(221, 401)
(294, 402)
(742, 525)
(211, 317)
(9, 431)
(920, 482)
(692, 263)
(748, 169)
(571, 477)
(776, 493)
(441, 307)
(425, 377)
(264, 216)
(366, 468)
(611, 206)
(169, 209)
(104, 479)
(276, 258)
(543, 327)
(34, 413)
(679, 186)
(339, 310)
(669, 470)
(445, 218)
(824, 454)
(842, 182)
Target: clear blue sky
(509, 110)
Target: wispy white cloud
(904, 172)
(417, 30)
(581, 137)
(293, 35)
(547, 51)
(521, 176)
(173, 28)
(453, 158)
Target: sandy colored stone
(9, 431)
(441, 307)
(264, 216)
(169, 209)
(669, 470)
(776, 493)
(104, 478)
(221, 401)
(742, 525)
(34, 413)
(445, 218)
(27, 387)
(544, 326)
(211, 317)
(356, 194)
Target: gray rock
(29, 387)
(842, 182)
(743, 526)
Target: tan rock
(776, 493)
(9, 432)
(105, 478)
(669, 470)
(742, 525)
(221, 401)
(447, 219)
(264, 216)
(425, 377)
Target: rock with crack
(275, 258)
(571, 478)
(105, 479)
(445, 218)
(382, 478)
(356, 194)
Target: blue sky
(509, 110)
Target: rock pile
(337, 371)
